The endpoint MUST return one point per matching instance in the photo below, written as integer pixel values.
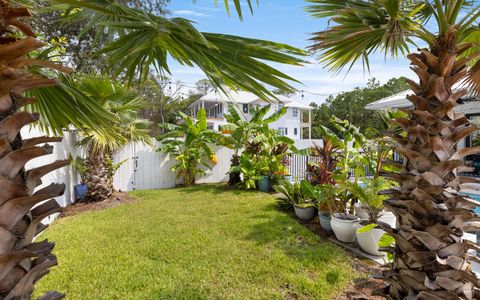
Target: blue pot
(80, 191)
(264, 184)
(325, 221)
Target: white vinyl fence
(145, 168)
(65, 175)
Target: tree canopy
(351, 105)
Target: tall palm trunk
(98, 176)
(430, 258)
(22, 261)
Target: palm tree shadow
(214, 189)
(292, 238)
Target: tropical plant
(322, 170)
(368, 193)
(323, 195)
(191, 145)
(430, 258)
(293, 193)
(261, 144)
(125, 128)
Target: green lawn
(204, 242)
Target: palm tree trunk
(430, 259)
(98, 176)
(22, 261)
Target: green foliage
(387, 241)
(293, 193)
(139, 41)
(190, 144)
(323, 195)
(265, 151)
(123, 104)
(351, 105)
(367, 193)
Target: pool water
(474, 197)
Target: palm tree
(22, 206)
(138, 41)
(125, 128)
(430, 258)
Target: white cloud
(186, 12)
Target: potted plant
(324, 198)
(368, 194)
(263, 172)
(293, 193)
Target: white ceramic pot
(360, 211)
(368, 241)
(343, 225)
(304, 213)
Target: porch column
(309, 124)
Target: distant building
(295, 124)
(470, 106)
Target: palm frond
(364, 27)
(143, 41)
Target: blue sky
(281, 21)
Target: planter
(325, 219)
(360, 211)
(80, 191)
(304, 213)
(343, 225)
(368, 241)
(264, 184)
(288, 178)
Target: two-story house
(295, 124)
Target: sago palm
(430, 256)
(125, 127)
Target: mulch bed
(80, 207)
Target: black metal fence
(298, 165)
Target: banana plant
(191, 145)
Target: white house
(295, 124)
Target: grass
(203, 242)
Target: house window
(245, 108)
(281, 131)
(295, 131)
(295, 112)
